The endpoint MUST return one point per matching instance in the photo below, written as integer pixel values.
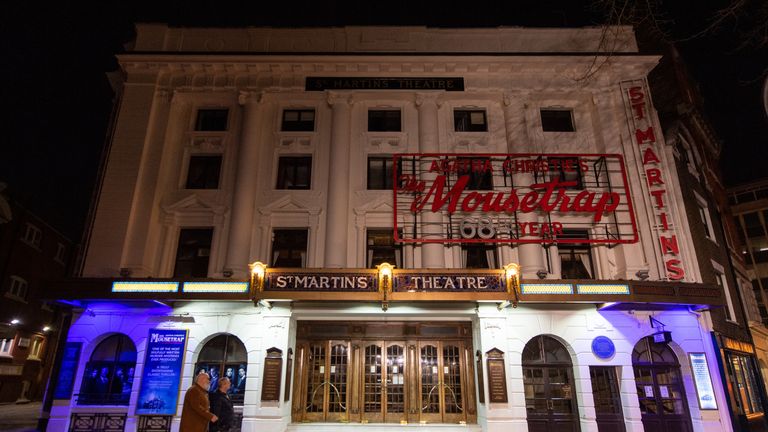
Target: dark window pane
(470, 121)
(384, 121)
(298, 120)
(381, 247)
(479, 171)
(380, 176)
(203, 172)
(294, 172)
(211, 120)
(556, 120)
(193, 253)
(575, 258)
(479, 255)
(289, 248)
(753, 225)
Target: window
(556, 120)
(384, 121)
(211, 120)
(289, 248)
(61, 252)
(109, 373)
(730, 313)
(479, 171)
(575, 258)
(33, 236)
(478, 256)
(380, 172)
(470, 121)
(203, 172)
(753, 225)
(34, 351)
(298, 120)
(743, 375)
(294, 172)
(566, 169)
(225, 356)
(18, 288)
(193, 253)
(381, 247)
(5, 346)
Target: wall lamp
(542, 274)
(512, 278)
(642, 274)
(385, 283)
(258, 271)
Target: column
(336, 229)
(243, 199)
(518, 141)
(432, 254)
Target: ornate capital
(334, 98)
(164, 94)
(249, 96)
(428, 98)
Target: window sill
(32, 245)
(37, 359)
(6, 355)
(16, 298)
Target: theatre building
(391, 228)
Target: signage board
(703, 381)
(497, 377)
(161, 377)
(479, 198)
(321, 281)
(69, 362)
(369, 83)
(449, 282)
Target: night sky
(57, 101)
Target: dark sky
(57, 101)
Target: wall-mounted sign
(215, 287)
(662, 337)
(273, 369)
(478, 197)
(145, 287)
(367, 83)
(737, 345)
(703, 381)
(469, 282)
(69, 362)
(160, 379)
(603, 347)
(497, 376)
(321, 281)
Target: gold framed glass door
(442, 370)
(324, 381)
(383, 382)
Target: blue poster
(69, 363)
(161, 377)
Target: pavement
(19, 417)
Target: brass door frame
(324, 387)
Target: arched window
(225, 356)
(648, 352)
(109, 373)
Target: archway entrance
(660, 387)
(550, 397)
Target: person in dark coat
(221, 406)
(195, 414)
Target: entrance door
(605, 390)
(325, 380)
(550, 399)
(660, 388)
(441, 367)
(384, 381)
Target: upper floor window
(380, 175)
(557, 120)
(289, 248)
(478, 255)
(212, 120)
(575, 258)
(204, 172)
(294, 172)
(35, 349)
(18, 288)
(193, 253)
(730, 313)
(109, 373)
(381, 248)
(566, 169)
(298, 120)
(33, 236)
(5, 346)
(470, 121)
(706, 221)
(384, 121)
(61, 253)
(479, 171)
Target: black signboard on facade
(273, 368)
(497, 376)
(367, 83)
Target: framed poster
(69, 362)
(701, 378)
(161, 377)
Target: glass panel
(561, 390)
(534, 388)
(452, 379)
(338, 379)
(315, 387)
(213, 351)
(646, 392)
(395, 379)
(430, 391)
(532, 351)
(554, 351)
(605, 390)
(372, 379)
(235, 350)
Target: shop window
(225, 356)
(289, 248)
(193, 253)
(730, 313)
(298, 120)
(381, 247)
(742, 375)
(575, 258)
(566, 169)
(18, 288)
(557, 120)
(109, 373)
(479, 171)
(61, 253)
(294, 172)
(470, 121)
(212, 120)
(380, 175)
(6, 345)
(203, 172)
(33, 236)
(478, 256)
(384, 121)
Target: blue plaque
(160, 378)
(603, 347)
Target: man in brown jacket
(195, 415)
